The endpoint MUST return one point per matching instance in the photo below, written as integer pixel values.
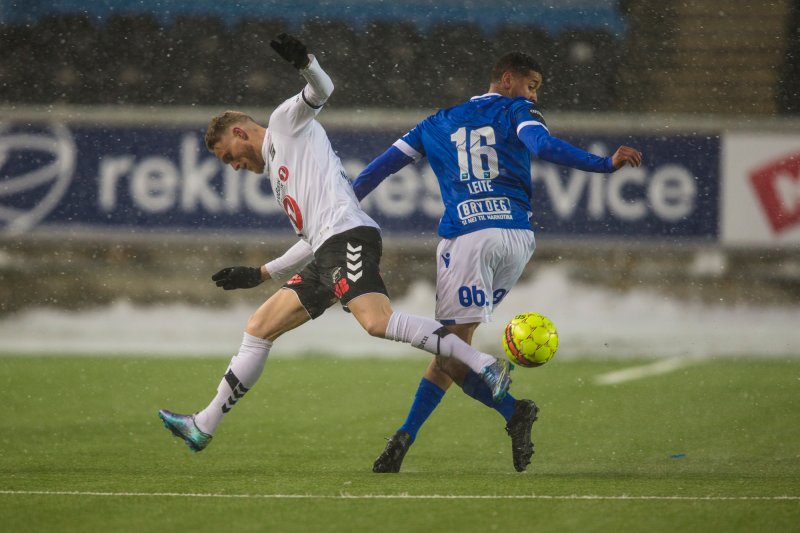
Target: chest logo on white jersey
(283, 173)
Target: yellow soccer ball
(530, 339)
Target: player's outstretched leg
(519, 429)
(390, 460)
(242, 373)
(431, 336)
(183, 427)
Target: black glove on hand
(237, 278)
(291, 49)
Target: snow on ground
(592, 321)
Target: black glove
(291, 49)
(237, 278)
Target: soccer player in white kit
(337, 257)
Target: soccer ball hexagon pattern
(530, 339)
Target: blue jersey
(480, 152)
(483, 168)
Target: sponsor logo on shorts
(295, 280)
(340, 285)
(484, 209)
(341, 288)
(472, 295)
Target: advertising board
(760, 203)
(162, 179)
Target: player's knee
(259, 325)
(375, 329)
(375, 326)
(255, 326)
(373, 318)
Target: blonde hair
(220, 124)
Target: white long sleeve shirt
(307, 177)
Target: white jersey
(307, 177)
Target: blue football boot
(498, 377)
(183, 427)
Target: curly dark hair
(517, 62)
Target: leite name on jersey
(484, 209)
(480, 186)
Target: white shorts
(475, 272)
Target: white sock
(243, 372)
(431, 336)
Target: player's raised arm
(319, 86)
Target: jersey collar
(485, 95)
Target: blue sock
(425, 401)
(475, 387)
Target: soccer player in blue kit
(481, 152)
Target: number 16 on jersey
(478, 152)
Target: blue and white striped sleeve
(411, 143)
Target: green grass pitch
(714, 446)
